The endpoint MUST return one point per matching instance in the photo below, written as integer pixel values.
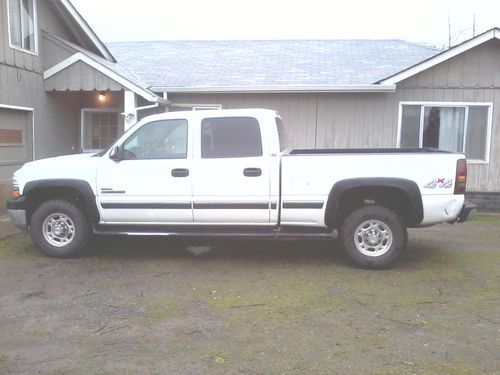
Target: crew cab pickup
(225, 173)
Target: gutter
(277, 89)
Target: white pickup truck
(224, 173)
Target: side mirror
(115, 154)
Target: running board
(214, 231)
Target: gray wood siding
(320, 120)
(54, 52)
(80, 76)
(56, 115)
(473, 76)
(49, 20)
(477, 68)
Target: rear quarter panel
(310, 178)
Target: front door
(231, 182)
(152, 182)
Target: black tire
(59, 216)
(377, 244)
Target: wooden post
(130, 112)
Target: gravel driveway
(153, 306)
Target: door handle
(252, 172)
(180, 172)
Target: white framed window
(451, 126)
(22, 20)
(99, 128)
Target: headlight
(14, 189)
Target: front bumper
(16, 208)
(466, 212)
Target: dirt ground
(152, 306)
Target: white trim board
(79, 56)
(87, 30)
(423, 104)
(25, 109)
(443, 56)
(278, 88)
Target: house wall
(336, 120)
(473, 76)
(352, 120)
(56, 115)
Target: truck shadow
(239, 250)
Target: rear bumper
(467, 211)
(16, 208)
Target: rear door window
(230, 137)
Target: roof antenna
(449, 32)
(474, 26)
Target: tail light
(461, 177)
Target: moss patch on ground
(488, 219)
(15, 246)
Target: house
(63, 91)
(345, 93)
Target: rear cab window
(230, 137)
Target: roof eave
(276, 89)
(441, 57)
(88, 30)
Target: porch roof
(87, 71)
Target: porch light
(102, 97)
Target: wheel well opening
(393, 198)
(40, 195)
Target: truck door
(152, 181)
(231, 179)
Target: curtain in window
(444, 128)
(451, 129)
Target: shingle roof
(254, 63)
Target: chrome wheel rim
(58, 230)
(373, 238)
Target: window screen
(230, 137)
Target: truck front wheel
(373, 236)
(59, 229)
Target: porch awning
(82, 72)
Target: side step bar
(214, 231)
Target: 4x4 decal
(442, 183)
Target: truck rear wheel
(373, 236)
(59, 229)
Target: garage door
(16, 140)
